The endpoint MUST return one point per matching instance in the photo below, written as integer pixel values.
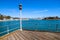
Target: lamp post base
(20, 29)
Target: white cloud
(45, 10)
(39, 11)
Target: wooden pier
(31, 35)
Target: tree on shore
(7, 17)
(1, 17)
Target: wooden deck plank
(16, 37)
(26, 35)
(31, 35)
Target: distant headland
(4, 17)
(51, 18)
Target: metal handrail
(7, 25)
(9, 30)
(32, 27)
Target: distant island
(51, 18)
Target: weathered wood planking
(31, 35)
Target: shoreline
(13, 19)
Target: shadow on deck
(31, 35)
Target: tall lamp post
(20, 8)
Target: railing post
(7, 29)
(49, 25)
(56, 27)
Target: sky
(30, 8)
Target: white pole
(20, 8)
(21, 20)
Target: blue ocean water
(39, 25)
